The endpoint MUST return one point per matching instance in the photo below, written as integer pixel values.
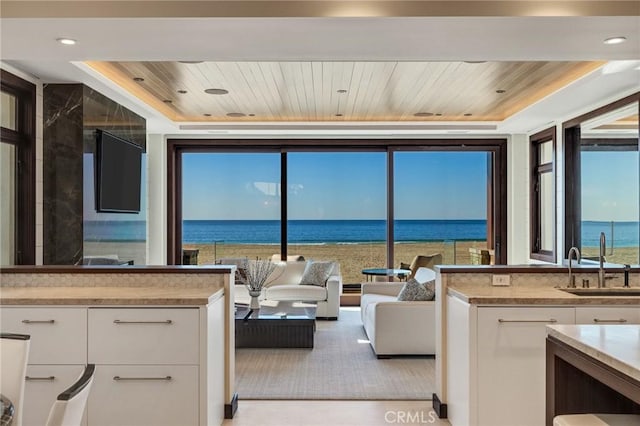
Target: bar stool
(69, 407)
(14, 353)
(596, 420)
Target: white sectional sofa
(284, 285)
(398, 327)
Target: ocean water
(625, 234)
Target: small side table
(384, 272)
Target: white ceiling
(29, 45)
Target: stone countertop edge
(622, 352)
(121, 269)
(528, 269)
(544, 296)
(112, 296)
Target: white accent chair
(398, 327)
(69, 407)
(14, 354)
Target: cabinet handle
(118, 378)
(47, 379)
(596, 320)
(143, 322)
(500, 320)
(38, 321)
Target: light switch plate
(501, 280)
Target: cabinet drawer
(143, 336)
(144, 396)
(511, 363)
(58, 335)
(44, 383)
(608, 315)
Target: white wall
(518, 201)
(157, 199)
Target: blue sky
(610, 186)
(429, 185)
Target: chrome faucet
(603, 248)
(572, 279)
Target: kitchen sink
(601, 292)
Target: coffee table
(276, 325)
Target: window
(603, 182)
(440, 205)
(542, 195)
(17, 170)
(339, 200)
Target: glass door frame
(496, 180)
(23, 138)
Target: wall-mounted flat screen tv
(118, 164)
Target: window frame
(23, 138)
(572, 166)
(497, 191)
(537, 169)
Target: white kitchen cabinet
(511, 363)
(608, 315)
(144, 395)
(155, 365)
(144, 336)
(58, 335)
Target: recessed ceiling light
(206, 114)
(167, 101)
(216, 91)
(615, 40)
(423, 114)
(341, 91)
(236, 114)
(67, 41)
(138, 79)
(468, 114)
(191, 62)
(500, 91)
(182, 92)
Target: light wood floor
(334, 413)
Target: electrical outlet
(501, 280)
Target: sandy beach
(352, 257)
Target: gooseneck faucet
(603, 248)
(572, 279)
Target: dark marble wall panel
(72, 227)
(62, 173)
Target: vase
(255, 303)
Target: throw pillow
(430, 287)
(316, 273)
(413, 290)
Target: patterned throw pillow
(431, 289)
(413, 290)
(316, 273)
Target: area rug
(340, 366)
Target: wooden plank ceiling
(342, 91)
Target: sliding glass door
(230, 206)
(440, 205)
(336, 209)
(366, 204)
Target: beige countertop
(109, 295)
(481, 294)
(617, 346)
